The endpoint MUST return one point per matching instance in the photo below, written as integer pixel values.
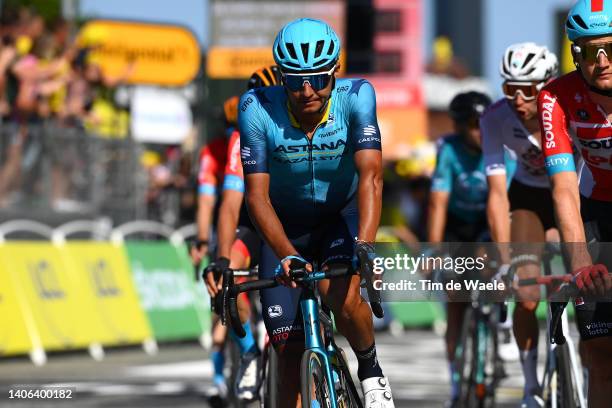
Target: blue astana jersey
(309, 179)
(461, 172)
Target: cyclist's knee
(527, 306)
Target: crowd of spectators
(53, 96)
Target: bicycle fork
(314, 341)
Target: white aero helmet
(528, 62)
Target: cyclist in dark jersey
(458, 201)
(576, 115)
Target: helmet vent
(305, 51)
(280, 52)
(330, 51)
(319, 48)
(569, 25)
(510, 54)
(528, 60)
(291, 51)
(578, 20)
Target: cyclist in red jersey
(575, 114)
(238, 246)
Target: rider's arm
(255, 166)
(560, 166)
(369, 166)
(207, 189)
(366, 141)
(441, 187)
(233, 193)
(436, 221)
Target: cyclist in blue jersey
(311, 154)
(457, 206)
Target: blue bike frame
(312, 330)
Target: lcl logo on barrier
(45, 280)
(103, 279)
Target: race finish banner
(176, 309)
(143, 53)
(243, 31)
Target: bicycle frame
(312, 333)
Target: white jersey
(500, 129)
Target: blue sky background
(190, 13)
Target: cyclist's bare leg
(239, 261)
(288, 380)
(219, 333)
(455, 312)
(526, 227)
(352, 314)
(599, 356)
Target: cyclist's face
(307, 100)
(470, 132)
(526, 110)
(597, 70)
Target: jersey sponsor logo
(597, 144)
(603, 162)
(332, 132)
(344, 88)
(369, 130)
(336, 243)
(307, 147)
(275, 311)
(245, 152)
(368, 139)
(249, 162)
(246, 103)
(547, 114)
(558, 163)
(578, 97)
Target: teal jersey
(309, 179)
(461, 172)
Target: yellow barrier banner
(147, 53)
(102, 274)
(14, 318)
(57, 307)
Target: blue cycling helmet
(589, 18)
(306, 45)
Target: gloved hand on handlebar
(213, 273)
(291, 263)
(593, 279)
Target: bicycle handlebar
(300, 276)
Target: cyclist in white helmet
(512, 124)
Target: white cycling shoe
(377, 393)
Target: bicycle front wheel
(315, 388)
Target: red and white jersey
(570, 121)
(234, 176)
(212, 162)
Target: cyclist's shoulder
(268, 98)
(497, 111)
(565, 85)
(215, 147)
(349, 87)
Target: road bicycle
(562, 382)
(324, 373)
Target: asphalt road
(180, 375)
